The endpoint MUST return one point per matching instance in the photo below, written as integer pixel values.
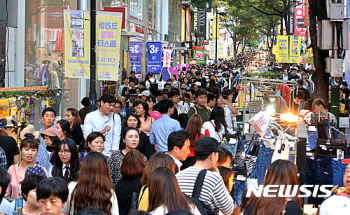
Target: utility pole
(92, 93)
(216, 36)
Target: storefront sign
(119, 10)
(195, 21)
(108, 36)
(77, 43)
(199, 55)
(167, 57)
(135, 56)
(193, 61)
(154, 55)
(54, 17)
(202, 24)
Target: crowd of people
(152, 148)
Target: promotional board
(135, 56)
(154, 57)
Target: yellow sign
(309, 56)
(108, 32)
(221, 49)
(283, 50)
(216, 28)
(7, 107)
(294, 48)
(77, 43)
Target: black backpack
(202, 207)
(153, 87)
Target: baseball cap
(145, 93)
(198, 83)
(164, 91)
(51, 132)
(132, 92)
(206, 146)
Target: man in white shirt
(106, 122)
(285, 75)
(179, 146)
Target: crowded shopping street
(173, 107)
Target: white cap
(145, 93)
(198, 83)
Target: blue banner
(135, 56)
(154, 57)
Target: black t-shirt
(9, 145)
(127, 191)
(295, 77)
(292, 208)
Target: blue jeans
(262, 162)
(318, 172)
(313, 135)
(238, 189)
(338, 171)
(231, 148)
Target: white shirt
(63, 170)
(95, 121)
(228, 117)
(177, 162)
(217, 135)
(335, 205)
(285, 78)
(72, 185)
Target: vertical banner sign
(77, 44)
(211, 50)
(282, 49)
(181, 66)
(135, 56)
(294, 48)
(306, 14)
(216, 21)
(154, 55)
(199, 55)
(108, 36)
(220, 49)
(167, 56)
(347, 52)
(292, 23)
(167, 72)
(202, 24)
(195, 21)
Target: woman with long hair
(129, 186)
(144, 146)
(157, 160)
(216, 124)
(141, 109)
(194, 127)
(165, 194)
(131, 138)
(214, 87)
(174, 82)
(94, 187)
(151, 101)
(72, 116)
(28, 150)
(67, 164)
(280, 172)
(63, 128)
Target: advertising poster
(294, 48)
(167, 56)
(216, 21)
(282, 49)
(211, 49)
(167, 72)
(154, 55)
(220, 49)
(135, 56)
(108, 35)
(77, 43)
(181, 66)
(199, 55)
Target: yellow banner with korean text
(283, 49)
(294, 48)
(108, 36)
(77, 43)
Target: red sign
(199, 56)
(306, 14)
(117, 9)
(198, 47)
(193, 62)
(140, 30)
(54, 17)
(299, 14)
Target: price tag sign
(260, 122)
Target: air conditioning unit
(336, 9)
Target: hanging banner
(220, 49)
(154, 57)
(167, 72)
(181, 66)
(306, 14)
(108, 36)
(294, 48)
(77, 44)
(174, 71)
(167, 57)
(211, 50)
(135, 56)
(282, 49)
(199, 55)
(216, 21)
(202, 24)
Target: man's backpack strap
(198, 184)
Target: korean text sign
(108, 36)
(154, 57)
(135, 56)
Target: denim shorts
(238, 189)
(262, 162)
